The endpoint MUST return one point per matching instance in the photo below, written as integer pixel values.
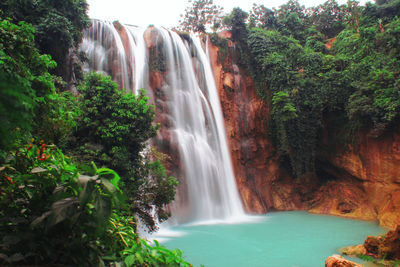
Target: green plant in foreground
(380, 261)
(130, 250)
(51, 214)
(365, 257)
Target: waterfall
(190, 100)
(103, 44)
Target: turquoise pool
(279, 239)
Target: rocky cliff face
(368, 180)
(360, 182)
(262, 184)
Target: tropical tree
(29, 103)
(200, 15)
(329, 18)
(113, 130)
(58, 25)
(263, 17)
(236, 23)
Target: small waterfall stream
(196, 120)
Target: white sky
(167, 12)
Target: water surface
(281, 239)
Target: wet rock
(339, 261)
(343, 198)
(390, 246)
(370, 173)
(262, 184)
(371, 245)
(384, 247)
(375, 163)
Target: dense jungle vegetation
(81, 209)
(333, 66)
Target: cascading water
(195, 116)
(200, 132)
(104, 47)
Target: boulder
(390, 245)
(371, 245)
(354, 250)
(339, 261)
(387, 247)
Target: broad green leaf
(102, 205)
(139, 257)
(88, 184)
(108, 186)
(62, 210)
(130, 260)
(110, 173)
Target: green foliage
(388, 10)
(316, 41)
(263, 17)
(292, 6)
(329, 18)
(291, 74)
(353, 15)
(200, 15)
(373, 70)
(50, 213)
(58, 25)
(366, 257)
(29, 101)
(118, 124)
(222, 45)
(379, 261)
(17, 94)
(236, 23)
(112, 131)
(43, 197)
(283, 106)
(130, 250)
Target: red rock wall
(262, 184)
(374, 166)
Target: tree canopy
(200, 15)
(58, 28)
(113, 130)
